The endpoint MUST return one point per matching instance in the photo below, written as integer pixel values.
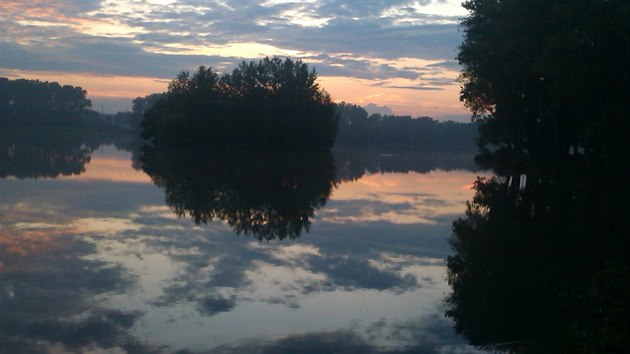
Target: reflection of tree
(52, 154)
(265, 194)
(43, 155)
(541, 264)
(353, 163)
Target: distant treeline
(357, 128)
(33, 103)
(271, 103)
(30, 102)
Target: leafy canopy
(272, 103)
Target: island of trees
(269, 103)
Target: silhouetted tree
(548, 78)
(32, 102)
(272, 103)
(142, 104)
(541, 262)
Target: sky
(394, 53)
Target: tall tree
(541, 258)
(547, 77)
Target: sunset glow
(395, 54)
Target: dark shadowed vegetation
(357, 128)
(265, 194)
(34, 102)
(542, 255)
(352, 163)
(269, 103)
(548, 78)
(52, 153)
(34, 105)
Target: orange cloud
(433, 103)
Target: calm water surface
(109, 251)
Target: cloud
(105, 56)
(372, 108)
(419, 88)
(141, 38)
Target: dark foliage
(541, 263)
(266, 194)
(547, 78)
(270, 103)
(542, 255)
(53, 153)
(354, 163)
(34, 102)
(357, 128)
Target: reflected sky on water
(99, 260)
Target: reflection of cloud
(104, 225)
(103, 329)
(429, 334)
(112, 169)
(213, 304)
(394, 208)
(356, 273)
(48, 289)
(156, 267)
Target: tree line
(27, 104)
(271, 103)
(357, 128)
(34, 102)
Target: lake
(109, 248)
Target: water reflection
(99, 263)
(355, 163)
(47, 289)
(266, 194)
(43, 155)
(541, 261)
(53, 154)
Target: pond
(112, 248)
